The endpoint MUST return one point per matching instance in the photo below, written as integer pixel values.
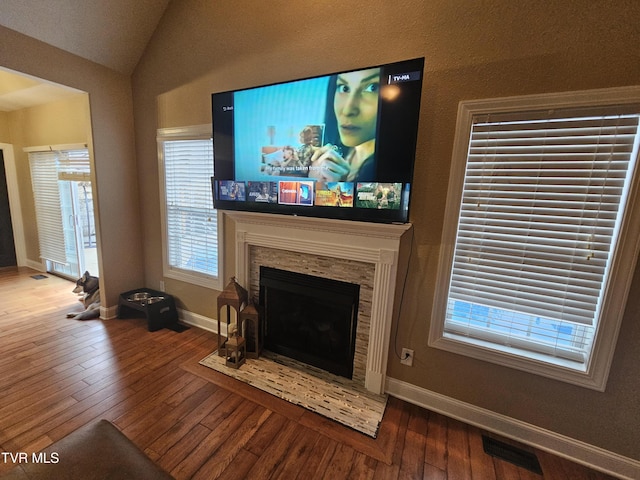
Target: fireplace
(311, 319)
(352, 252)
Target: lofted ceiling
(113, 33)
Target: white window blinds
(191, 221)
(47, 168)
(541, 207)
(46, 194)
(74, 165)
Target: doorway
(7, 246)
(44, 104)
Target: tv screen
(340, 145)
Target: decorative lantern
(252, 329)
(232, 297)
(236, 349)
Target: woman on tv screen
(355, 115)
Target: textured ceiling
(113, 33)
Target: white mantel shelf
(366, 229)
(378, 244)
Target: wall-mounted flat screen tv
(340, 145)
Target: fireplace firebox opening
(311, 319)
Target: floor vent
(38, 277)
(511, 454)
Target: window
(189, 221)
(538, 245)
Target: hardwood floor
(59, 374)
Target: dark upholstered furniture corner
(94, 452)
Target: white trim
(51, 148)
(15, 206)
(185, 316)
(193, 132)
(38, 265)
(615, 299)
(200, 321)
(107, 313)
(194, 278)
(526, 433)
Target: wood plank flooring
(57, 375)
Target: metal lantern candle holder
(236, 352)
(252, 329)
(233, 297)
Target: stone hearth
(364, 253)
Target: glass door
(78, 229)
(61, 181)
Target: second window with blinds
(190, 225)
(539, 245)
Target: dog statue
(89, 288)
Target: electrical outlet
(406, 358)
(162, 285)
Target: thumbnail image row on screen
(314, 193)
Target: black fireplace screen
(310, 319)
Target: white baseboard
(107, 313)
(39, 266)
(569, 448)
(201, 321)
(185, 316)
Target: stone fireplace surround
(364, 253)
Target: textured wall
(473, 50)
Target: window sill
(547, 366)
(193, 278)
